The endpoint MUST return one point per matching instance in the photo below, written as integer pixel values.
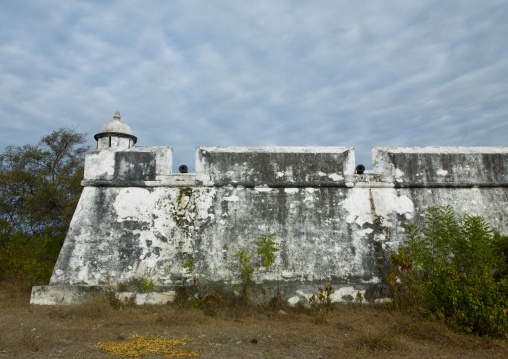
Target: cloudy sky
(251, 73)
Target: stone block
(134, 164)
(443, 166)
(274, 166)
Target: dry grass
(224, 327)
(374, 340)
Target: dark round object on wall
(183, 169)
(360, 169)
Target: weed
(246, 269)
(189, 266)
(359, 297)
(146, 283)
(266, 249)
(322, 304)
(190, 269)
(277, 302)
(122, 286)
(184, 191)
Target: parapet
(300, 167)
(443, 166)
(273, 166)
(128, 167)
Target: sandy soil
(225, 331)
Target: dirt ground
(28, 331)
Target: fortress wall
(454, 166)
(135, 218)
(273, 166)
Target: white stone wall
(332, 225)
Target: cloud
(189, 73)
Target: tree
(40, 185)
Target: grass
(222, 326)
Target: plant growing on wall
(245, 269)
(146, 283)
(190, 269)
(266, 249)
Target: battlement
(301, 167)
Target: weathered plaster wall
(136, 219)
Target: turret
(116, 135)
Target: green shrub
(29, 259)
(454, 269)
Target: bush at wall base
(454, 268)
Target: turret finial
(117, 116)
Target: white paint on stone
(132, 204)
(293, 301)
(345, 294)
(442, 172)
(263, 189)
(399, 175)
(291, 190)
(386, 202)
(364, 232)
(336, 177)
(357, 206)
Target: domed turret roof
(117, 126)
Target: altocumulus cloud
(289, 73)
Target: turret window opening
(109, 141)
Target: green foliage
(501, 247)
(245, 269)
(30, 259)
(323, 304)
(359, 297)
(184, 191)
(189, 266)
(214, 298)
(190, 269)
(448, 271)
(39, 189)
(403, 280)
(266, 249)
(145, 282)
(40, 185)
